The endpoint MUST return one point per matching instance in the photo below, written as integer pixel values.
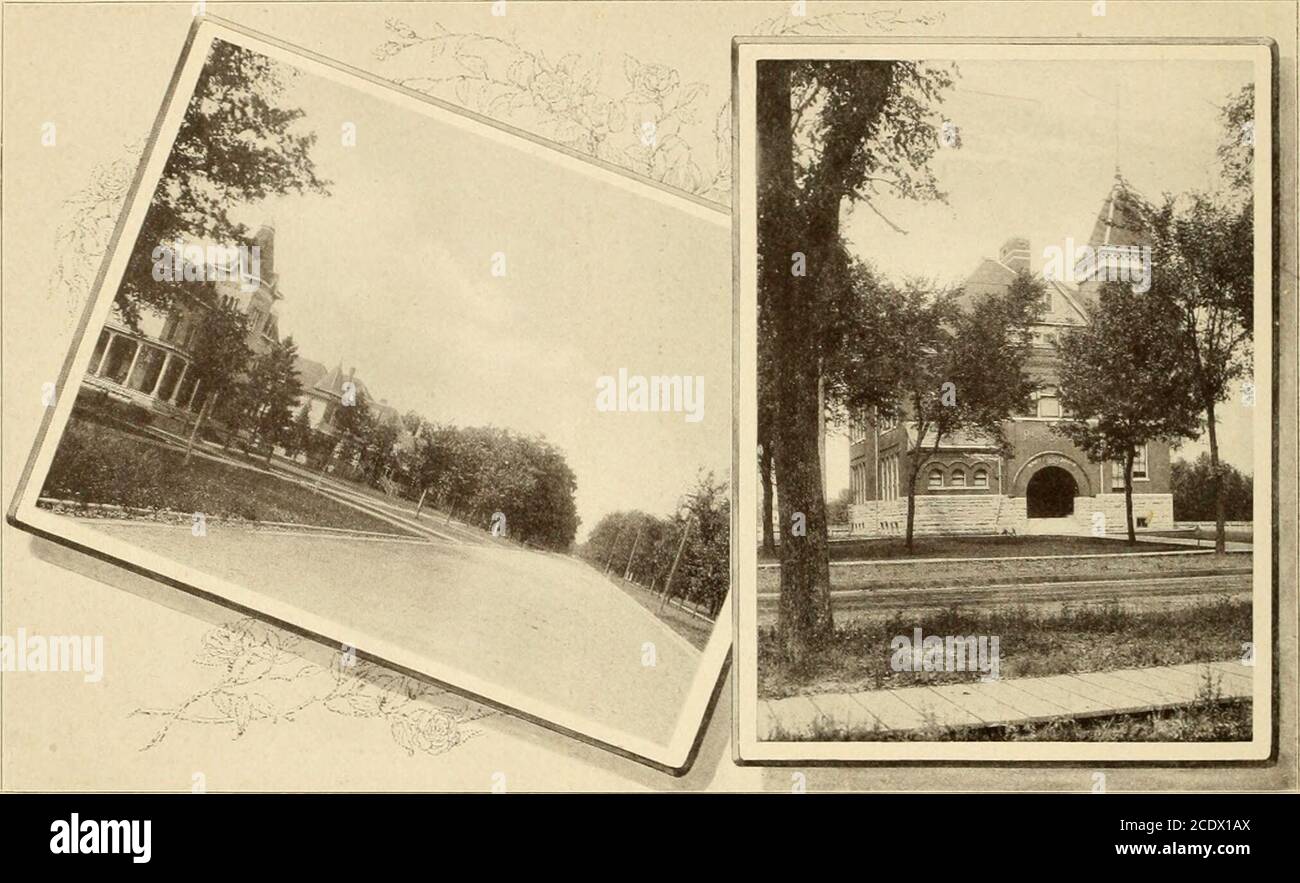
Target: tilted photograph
(440, 394)
(1007, 466)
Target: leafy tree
(379, 455)
(235, 146)
(1122, 384)
(1202, 276)
(1237, 146)
(944, 365)
(218, 358)
(272, 389)
(828, 134)
(649, 544)
(479, 471)
(353, 423)
(1193, 491)
(298, 439)
(837, 511)
(705, 570)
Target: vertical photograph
(1008, 461)
(412, 383)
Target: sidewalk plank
(996, 703)
(978, 701)
(936, 708)
(1051, 689)
(1028, 705)
(1143, 691)
(794, 714)
(891, 711)
(841, 710)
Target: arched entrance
(1050, 493)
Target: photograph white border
(675, 757)
(748, 748)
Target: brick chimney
(1015, 254)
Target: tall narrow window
(1139, 467)
(936, 478)
(958, 477)
(980, 479)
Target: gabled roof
(309, 372)
(994, 277)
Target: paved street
(544, 625)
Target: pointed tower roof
(264, 240)
(1117, 222)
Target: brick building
(1047, 485)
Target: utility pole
(668, 584)
(627, 571)
(609, 561)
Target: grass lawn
(983, 547)
(1206, 535)
(1206, 721)
(1032, 643)
(692, 628)
(96, 463)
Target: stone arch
(1020, 481)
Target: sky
(1041, 141)
(392, 274)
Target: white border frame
(748, 748)
(675, 757)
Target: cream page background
(100, 71)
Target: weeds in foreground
(1033, 642)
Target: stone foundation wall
(940, 515)
(1157, 509)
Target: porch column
(189, 402)
(167, 360)
(103, 357)
(180, 381)
(139, 347)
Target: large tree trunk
(804, 620)
(1220, 546)
(194, 434)
(765, 463)
(1128, 497)
(911, 500)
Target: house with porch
(151, 366)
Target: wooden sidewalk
(997, 703)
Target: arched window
(980, 478)
(936, 478)
(958, 477)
